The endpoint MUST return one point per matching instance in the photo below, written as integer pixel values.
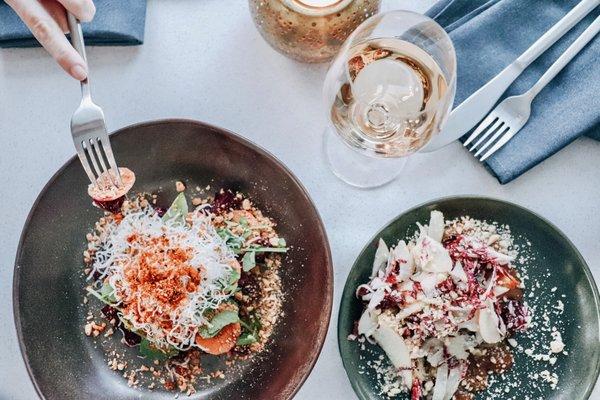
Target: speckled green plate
(554, 264)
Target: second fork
(513, 112)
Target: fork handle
(79, 45)
(470, 112)
(565, 57)
(556, 32)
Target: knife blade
(471, 111)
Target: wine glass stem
(357, 168)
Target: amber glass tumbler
(310, 30)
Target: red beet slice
(130, 338)
(514, 314)
(224, 201)
(106, 195)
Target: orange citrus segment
(221, 343)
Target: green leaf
(260, 249)
(152, 352)
(232, 241)
(231, 285)
(248, 326)
(218, 322)
(249, 261)
(224, 233)
(235, 276)
(108, 293)
(105, 295)
(251, 328)
(178, 211)
(246, 338)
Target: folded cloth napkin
(116, 23)
(490, 34)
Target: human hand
(47, 20)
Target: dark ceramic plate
(64, 364)
(555, 263)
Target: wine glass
(388, 92)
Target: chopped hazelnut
(246, 204)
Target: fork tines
(490, 131)
(95, 154)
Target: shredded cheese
(165, 275)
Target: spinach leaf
(105, 295)
(262, 249)
(107, 292)
(230, 285)
(218, 322)
(246, 338)
(250, 329)
(232, 241)
(249, 261)
(152, 352)
(178, 211)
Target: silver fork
(513, 112)
(87, 124)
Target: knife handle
(556, 32)
(471, 111)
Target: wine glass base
(358, 169)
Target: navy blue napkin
(490, 34)
(116, 23)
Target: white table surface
(205, 60)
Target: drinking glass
(387, 92)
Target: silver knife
(464, 117)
